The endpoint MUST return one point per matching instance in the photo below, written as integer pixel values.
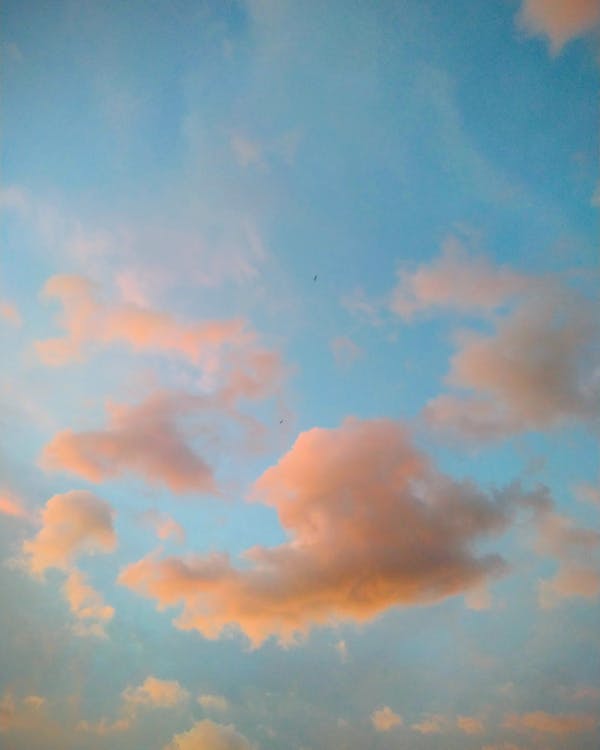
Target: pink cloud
(87, 605)
(89, 321)
(164, 526)
(208, 735)
(384, 719)
(559, 20)
(371, 525)
(345, 351)
(73, 523)
(578, 552)
(535, 371)
(433, 724)
(156, 693)
(547, 723)
(456, 281)
(148, 439)
(470, 725)
(10, 313)
(13, 506)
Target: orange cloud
(371, 525)
(578, 553)
(558, 20)
(88, 321)
(10, 313)
(13, 506)
(165, 527)
(147, 439)
(207, 735)
(534, 372)
(87, 605)
(470, 725)
(384, 719)
(456, 281)
(213, 702)
(434, 724)
(73, 523)
(546, 723)
(156, 693)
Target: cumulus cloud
(384, 719)
(470, 724)
(213, 702)
(11, 505)
(456, 281)
(577, 551)
(537, 370)
(88, 321)
(547, 723)
(164, 526)
(10, 313)
(73, 523)
(433, 724)
(371, 524)
(156, 693)
(207, 735)
(87, 605)
(148, 439)
(558, 20)
(151, 694)
(345, 351)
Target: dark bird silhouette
(315, 277)
(281, 421)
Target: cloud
(546, 723)
(151, 694)
(456, 281)
(207, 735)
(87, 605)
(246, 152)
(88, 321)
(578, 553)
(558, 20)
(148, 439)
(537, 370)
(371, 524)
(470, 725)
(164, 526)
(433, 724)
(213, 702)
(155, 693)
(345, 351)
(10, 313)
(384, 719)
(13, 506)
(74, 523)
(587, 493)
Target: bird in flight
(315, 277)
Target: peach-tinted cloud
(371, 525)
(587, 493)
(87, 605)
(547, 723)
(384, 719)
(559, 20)
(18, 713)
(148, 439)
(207, 735)
(345, 351)
(156, 693)
(433, 724)
(13, 506)
(87, 321)
(164, 526)
(470, 724)
(10, 313)
(73, 523)
(582, 693)
(211, 702)
(578, 552)
(456, 281)
(536, 371)
(105, 727)
(246, 152)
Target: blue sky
(298, 318)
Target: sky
(300, 383)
